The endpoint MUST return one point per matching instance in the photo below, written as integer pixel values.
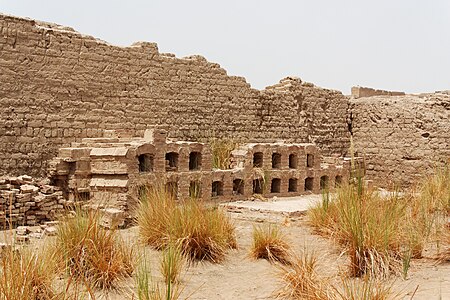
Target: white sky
(387, 44)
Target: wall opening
(145, 163)
(293, 185)
(276, 161)
(172, 189)
(275, 187)
(238, 187)
(324, 182)
(195, 161)
(309, 181)
(195, 189)
(257, 186)
(293, 161)
(258, 159)
(83, 196)
(72, 167)
(217, 188)
(171, 161)
(310, 160)
(338, 181)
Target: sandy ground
(240, 277)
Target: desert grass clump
(301, 280)
(365, 289)
(27, 275)
(91, 253)
(270, 243)
(435, 190)
(371, 228)
(368, 226)
(202, 233)
(221, 152)
(154, 216)
(322, 217)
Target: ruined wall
(58, 86)
(358, 92)
(401, 137)
(314, 114)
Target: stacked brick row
(24, 201)
(114, 172)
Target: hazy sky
(388, 44)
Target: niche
(257, 186)
(293, 160)
(293, 185)
(171, 161)
(309, 181)
(145, 163)
(238, 187)
(276, 161)
(195, 161)
(258, 159)
(217, 188)
(275, 187)
(324, 182)
(310, 160)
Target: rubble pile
(27, 201)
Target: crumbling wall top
(359, 91)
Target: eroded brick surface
(402, 137)
(59, 86)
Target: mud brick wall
(59, 86)
(402, 137)
(298, 110)
(358, 92)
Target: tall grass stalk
(172, 262)
(149, 289)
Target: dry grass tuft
(201, 233)
(365, 289)
(27, 275)
(221, 152)
(301, 280)
(91, 253)
(381, 232)
(270, 243)
(369, 227)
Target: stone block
(28, 188)
(112, 218)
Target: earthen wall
(401, 137)
(59, 86)
(358, 92)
